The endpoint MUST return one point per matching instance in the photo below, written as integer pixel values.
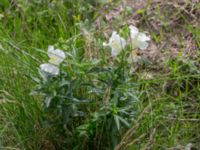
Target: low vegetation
(99, 75)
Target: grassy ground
(169, 82)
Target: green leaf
(116, 117)
(43, 75)
(98, 69)
(124, 121)
(63, 83)
(47, 101)
(37, 80)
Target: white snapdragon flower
(138, 39)
(56, 57)
(50, 68)
(116, 43)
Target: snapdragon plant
(90, 100)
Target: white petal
(114, 33)
(50, 49)
(60, 53)
(49, 68)
(134, 31)
(117, 46)
(143, 37)
(56, 56)
(123, 43)
(142, 45)
(56, 53)
(116, 43)
(115, 52)
(113, 37)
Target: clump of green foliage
(90, 103)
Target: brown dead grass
(166, 20)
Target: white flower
(50, 68)
(56, 55)
(138, 39)
(116, 43)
